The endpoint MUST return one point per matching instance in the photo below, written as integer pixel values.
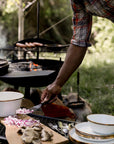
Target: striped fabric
(82, 18)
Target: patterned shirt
(82, 18)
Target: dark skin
(74, 58)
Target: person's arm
(80, 41)
(72, 61)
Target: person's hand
(50, 93)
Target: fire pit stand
(28, 79)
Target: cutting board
(13, 137)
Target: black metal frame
(35, 81)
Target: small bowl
(10, 102)
(101, 123)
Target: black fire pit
(37, 78)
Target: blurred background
(55, 23)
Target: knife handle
(52, 99)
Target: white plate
(101, 123)
(101, 119)
(75, 138)
(84, 130)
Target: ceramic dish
(84, 130)
(101, 123)
(76, 138)
(10, 102)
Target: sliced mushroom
(37, 128)
(35, 134)
(36, 142)
(46, 136)
(27, 139)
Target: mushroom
(46, 136)
(27, 139)
(36, 142)
(37, 128)
(34, 135)
(28, 135)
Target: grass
(96, 82)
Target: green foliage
(52, 12)
(103, 35)
(11, 6)
(10, 26)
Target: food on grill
(31, 44)
(28, 44)
(20, 45)
(34, 135)
(37, 44)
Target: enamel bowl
(101, 123)
(10, 102)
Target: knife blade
(36, 107)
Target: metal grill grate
(52, 122)
(2, 134)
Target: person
(83, 10)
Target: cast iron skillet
(3, 66)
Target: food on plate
(34, 135)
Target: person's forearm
(72, 61)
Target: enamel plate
(84, 130)
(74, 137)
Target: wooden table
(13, 137)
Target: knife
(36, 107)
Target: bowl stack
(98, 130)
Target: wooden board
(14, 138)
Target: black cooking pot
(3, 66)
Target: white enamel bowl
(9, 102)
(101, 123)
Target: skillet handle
(78, 82)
